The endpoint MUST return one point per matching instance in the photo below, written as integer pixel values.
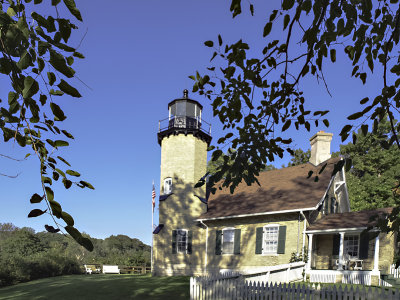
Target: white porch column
(376, 255)
(310, 236)
(340, 266)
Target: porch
(344, 256)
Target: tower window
(167, 186)
(181, 241)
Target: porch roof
(356, 220)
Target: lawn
(99, 286)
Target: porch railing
(348, 277)
(357, 278)
(395, 271)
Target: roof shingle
(354, 219)
(282, 189)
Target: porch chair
(358, 264)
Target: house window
(228, 240)
(351, 245)
(167, 186)
(181, 240)
(270, 239)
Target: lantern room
(184, 116)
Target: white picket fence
(240, 289)
(395, 272)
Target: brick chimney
(320, 147)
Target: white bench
(88, 270)
(111, 269)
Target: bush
(39, 265)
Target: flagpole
(152, 227)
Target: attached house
(292, 214)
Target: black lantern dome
(184, 117)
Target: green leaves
(27, 50)
(51, 229)
(77, 236)
(25, 61)
(345, 132)
(60, 143)
(287, 4)
(267, 29)
(73, 173)
(52, 77)
(67, 218)
(286, 125)
(31, 87)
(68, 89)
(58, 62)
(58, 113)
(333, 55)
(70, 4)
(36, 212)
(49, 193)
(86, 184)
(209, 43)
(286, 21)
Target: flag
(153, 197)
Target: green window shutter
(236, 245)
(364, 244)
(174, 233)
(218, 242)
(281, 240)
(189, 242)
(336, 244)
(259, 239)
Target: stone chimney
(320, 147)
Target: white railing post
(340, 266)
(376, 255)
(310, 237)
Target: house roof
(354, 219)
(280, 190)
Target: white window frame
(167, 185)
(358, 245)
(264, 250)
(233, 240)
(177, 241)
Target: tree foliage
(372, 182)
(257, 98)
(26, 255)
(37, 60)
(299, 157)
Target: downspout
(298, 235)
(304, 234)
(205, 257)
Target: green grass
(99, 286)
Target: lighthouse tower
(179, 240)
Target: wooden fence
(242, 290)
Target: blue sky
(139, 55)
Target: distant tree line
(26, 255)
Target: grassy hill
(99, 286)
